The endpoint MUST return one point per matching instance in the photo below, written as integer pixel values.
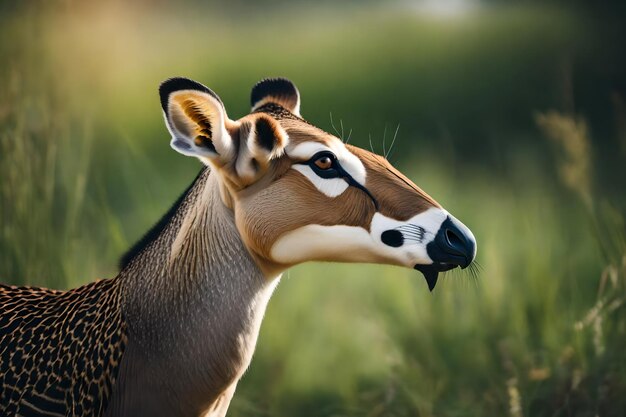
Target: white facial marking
(413, 250)
(332, 187)
(296, 109)
(356, 244)
(243, 166)
(315, 242)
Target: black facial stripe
(337, 171)
(351, 181)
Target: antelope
(173, 332)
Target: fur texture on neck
(193, 300)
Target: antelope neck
(193, 300)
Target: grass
(512, 336)
(85, 169)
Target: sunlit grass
(464, 343)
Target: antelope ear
(196, 119)
(279, 91)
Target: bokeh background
(512, 114)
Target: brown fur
(284, 200)
(172, 334)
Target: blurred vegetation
(512, 115)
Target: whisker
(414, 239)
(349, 136)
(412, 230)
(393, 141)
(384, 137)
(410, 226)
(413, 233)
(341, 123)
(470, 272)
(476, 268)
(332, 123)
(474, 271)
(371, 146)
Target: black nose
(453, 244)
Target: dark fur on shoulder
(156, 230)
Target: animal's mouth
(431, 271)
(453, 245)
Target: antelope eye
(325, 165)
(323, 162)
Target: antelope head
(300, 194)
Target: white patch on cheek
(332, 187)
(349, 161)
(355, 244)
(243, 166)
(323, 243)
(413, 250)
(306, 150)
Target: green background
(511, 114)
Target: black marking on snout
(393, 238)
(413, 232)
(452, 244)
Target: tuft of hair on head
(174, 84)
(278, 91)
